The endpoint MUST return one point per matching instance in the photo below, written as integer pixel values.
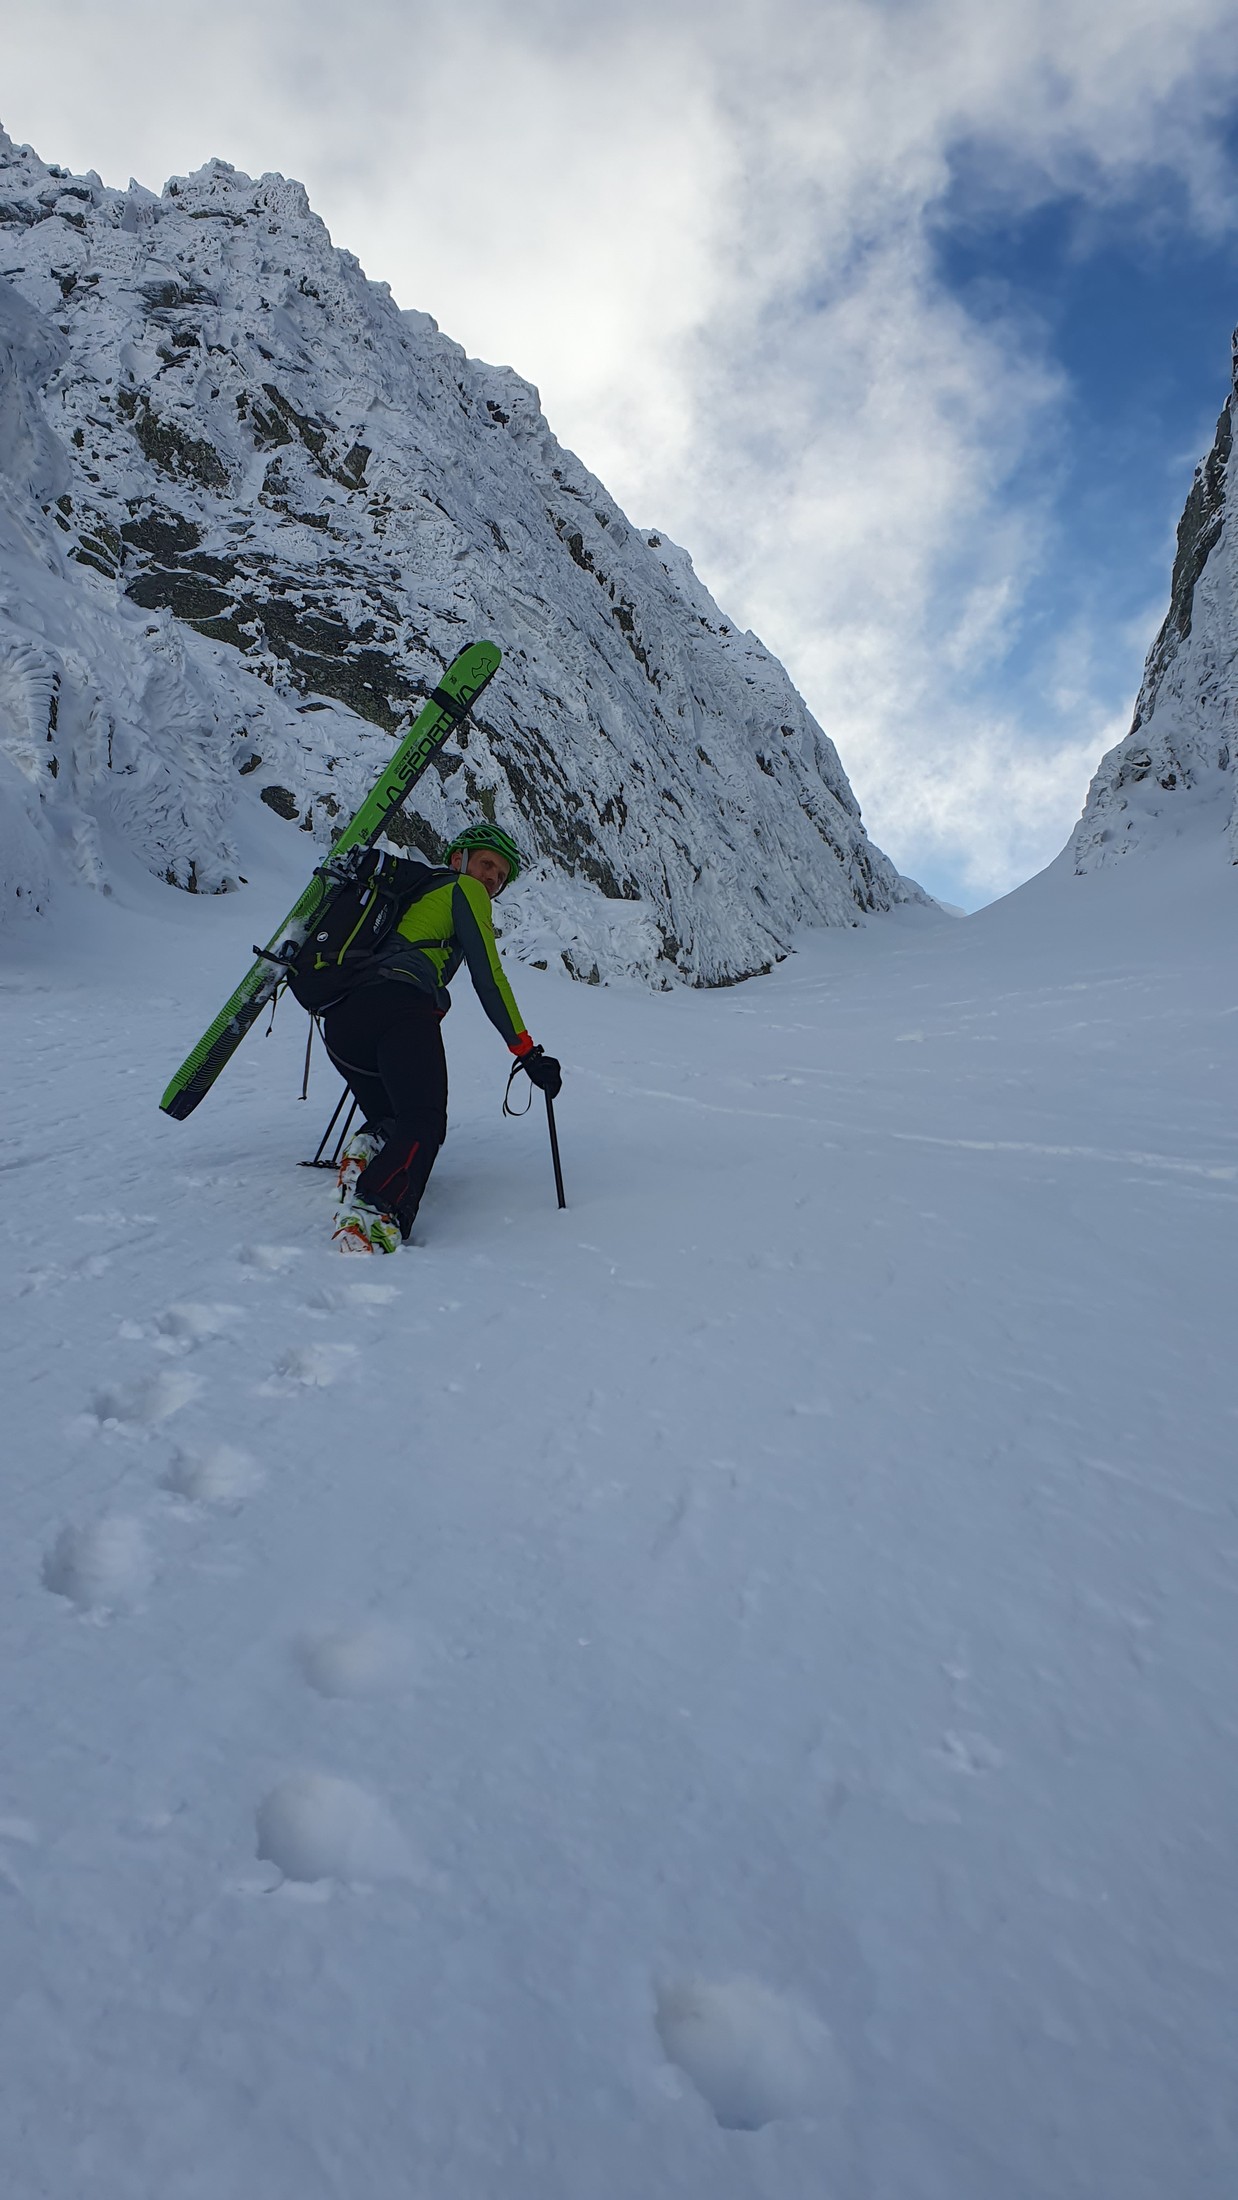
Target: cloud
(708, 232)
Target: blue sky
(908, 318)
(1139, 319)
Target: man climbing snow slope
(385, 1035)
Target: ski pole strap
(508, 1109)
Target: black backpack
(355, 918)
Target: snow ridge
(1179, 753)
(252, 509)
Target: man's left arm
(470, 908)
(470, 911)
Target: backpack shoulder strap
(405, 878)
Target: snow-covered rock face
(251, 509)
(1179, 754)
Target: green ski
(450, 702)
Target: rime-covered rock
(265, 507)
(1179, 754)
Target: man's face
(490, 867)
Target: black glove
(544, 1071)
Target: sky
(910, 321)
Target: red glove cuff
(522, 1046)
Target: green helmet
(486, 836)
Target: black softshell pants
(387, 1041)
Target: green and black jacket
(448, 923)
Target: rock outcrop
(261, 507)
(1179, 755)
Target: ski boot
(363, 1229)
(358, 1154)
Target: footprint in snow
(220, 1475)
(180, 1328)
(315, 1826)
(308, 1367)
(370, 1660)
(105, 1566)
(269, 1260)
(350, 1298)
(145, 1404)
(753, 2055)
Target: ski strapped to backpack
(449, 704)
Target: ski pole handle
(554, 1150)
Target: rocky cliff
(259, 508)
(1179, 754)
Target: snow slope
(295, 503)
(725, 1691)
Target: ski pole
(340, 1141)
(318, 1162)
(554, 1150)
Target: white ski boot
(358, 1154)
(363, 1229)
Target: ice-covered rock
(104, 717)
(251, 509)
(1178, 757)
